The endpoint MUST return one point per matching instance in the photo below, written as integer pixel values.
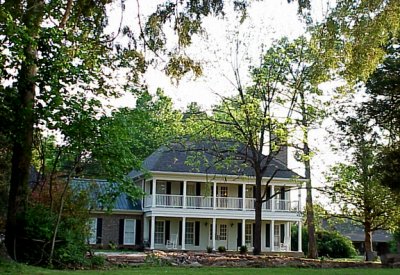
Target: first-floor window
(277, 235)
(222, 232)
(189, 234)
(129, 231)
(159, 232)
(92, 230)
(248, 234)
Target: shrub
(221, 249)
(243, 249)
(97, 261)
(209, 249)
(329, 243)
(335, 245)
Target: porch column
(214, 195)
(244, 197)
(184, 194)
(243, 232)
(288, 236)
(299, 241)
(153, 193)
(273, 198)
(214, 231)
(272, 236)
(183, 232)
(153, 230)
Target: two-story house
(192, 206)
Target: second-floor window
(161, 187)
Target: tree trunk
(258, 218)
(23, 133)
(312, 243)
(368, 242)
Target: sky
(268, 20)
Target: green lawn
(8, 268)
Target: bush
(335, 245)
(243, 249)
(329, 243)
(154, 260)
(209, 249)
(221, 249)
(97, 261)
(37, 227)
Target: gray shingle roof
(97, 188)
(182, 159)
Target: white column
(153, 193)
(244, 197)
(214, 195)
(153, 230)
(183, 232)
(184, 193)
(273, 199)
(288, 237)
(272, 236)
(300, 248)
(214, 231)
(244, 232)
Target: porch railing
(229, 203)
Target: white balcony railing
(169, 200)
(199, 202)
(229, 203)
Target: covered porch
(198, 234)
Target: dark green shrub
(221, 249)
(335, 245)
(330, 243)
(243, 249)
(209, 249)
(97, 261)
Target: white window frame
(223, 237)
(161, 187)
(189, 234)
(156, 241)
(191, 189)
(92, 239)
(277, 234)
(248, 234)
(133, 232)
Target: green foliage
(221, 249)
(329, 243)
(70, 246)
(333, 244)
(243, 249)
(209, 249)
(97, 261)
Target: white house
(195, 206)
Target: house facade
(195, 208)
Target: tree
(53, 50)
(303, 72)
(356, 187)
(382, 110)
(244, 130)
(354, 35)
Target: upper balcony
(216, 196)
(220, 203)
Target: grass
(14, 268)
